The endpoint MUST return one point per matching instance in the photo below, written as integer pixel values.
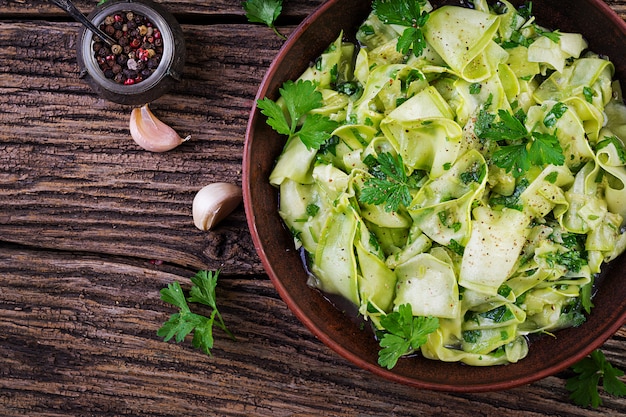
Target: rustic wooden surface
(92, 227)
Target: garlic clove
(214, 202)
(151, 133)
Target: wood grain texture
(92, 227)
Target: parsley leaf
(389, 184)
(404, 333)
(406, 13)
(589, 94)
(573, 260)
(316, 130)
(264, 11)
(556, 112)
(513, 158)
(546, 149)
(535, 148)
(475, 88)
(583, 388)
(300, 98)
(185, 321)
(508, 128)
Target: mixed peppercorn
(137, 53)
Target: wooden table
(92, 227)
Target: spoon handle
(69, 7)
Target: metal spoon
(69, 7)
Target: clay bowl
(606, 34)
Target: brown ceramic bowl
(606, 34)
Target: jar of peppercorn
(145, 60)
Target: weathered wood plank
(78, 334)
(182, 9)
(126, 194)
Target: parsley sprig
(403, 334)
(591, 371)
(523, 148)
(264, 11)
(300, 98)
(389, 184)
(185, 321)
(407, 13)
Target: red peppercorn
(129, 81)
(118, 18)
(157, 34)
(143, 54)
(135, 43)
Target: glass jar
(165, 76)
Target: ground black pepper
(136, 55)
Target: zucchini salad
(456, 173)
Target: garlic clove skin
(214, 202)
(151, 133)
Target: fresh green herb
(513, 158)
(471, 336)
(573, 260)
(349, 88)
(373, 240)
(185, 321)
(483, 121)
(414, 75)
(586, 293)
(504, 290)
(312, 209)
(517, 39)
(330, 145)
(300, 98)
(367, 30)
(589, 94)
(552, 177)
(403, 334)
(509, 127)
(389, 184)
(557, 111)
(406, 13)
(476, 173)
(500, 314)
(545, 149)
(446, 220)
(615, 141)
(511, 201)
(572, 313)
(553, 36)
(593, 370)
(456, 247)
(517, 158)
(475, 88)
(264, 11)
(526, 10)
